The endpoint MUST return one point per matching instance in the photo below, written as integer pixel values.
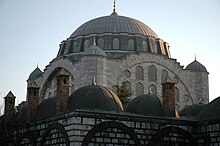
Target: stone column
(9, 103)
(62, 97)
(33, 100)
(168, 91)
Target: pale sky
(31, 31)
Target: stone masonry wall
(92, 128)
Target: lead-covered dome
(147, 104)
(211, 111)
(196, 66)
(116, 36)
(94, 97)
(35, 74)
(114, 24)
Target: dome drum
(119, 42)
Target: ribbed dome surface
(211, 111)
(36, 73)
(147, 104)
(46, 109)
(192, 110)
(196, 66)
(94, 97)
(114, 24)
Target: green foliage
(124, 93)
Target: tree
(124, 92)
(1, 105)
(1, 109)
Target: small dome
(196, 66)
(46, 109)
(192, 110)
(35, 74)
(94, 50)
(147, 104)
(211, 111)
(94, 97)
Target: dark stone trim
(59, 127)
(110, 124)
(161, 133)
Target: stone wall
(108, 72)
(100, 128)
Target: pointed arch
(164, 75)
(139, 73)
(116, 44)
(152, 73)
(139, 89)
(158, 138)
(131, 44)
(59, 128)
(152, 88)
(110, 124)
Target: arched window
(127, 73)
(128, 85)
(101, 43)
(186, 97)
(153, 89)
(115, 44)
(139, 73)
(177, 95)
(144, 46)
(152, 73)
(86, 45)
(164, 76)
(139, 89)
(130, 44)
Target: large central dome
(116, 35)
(114, 24)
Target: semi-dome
(147, 104)
(116, 35)
(192, 110)
(114, 24)
(196, 66)
(94, 50)
(94, 97)
(211, 111)
(35, 74)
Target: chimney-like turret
(168, 91)
(62, 92)
(32, 100)
(9, 103)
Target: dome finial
(114, 9)
(93, 81)
(195, 57)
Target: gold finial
(114, 9)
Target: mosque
(74, 101)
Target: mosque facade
(74, 100)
